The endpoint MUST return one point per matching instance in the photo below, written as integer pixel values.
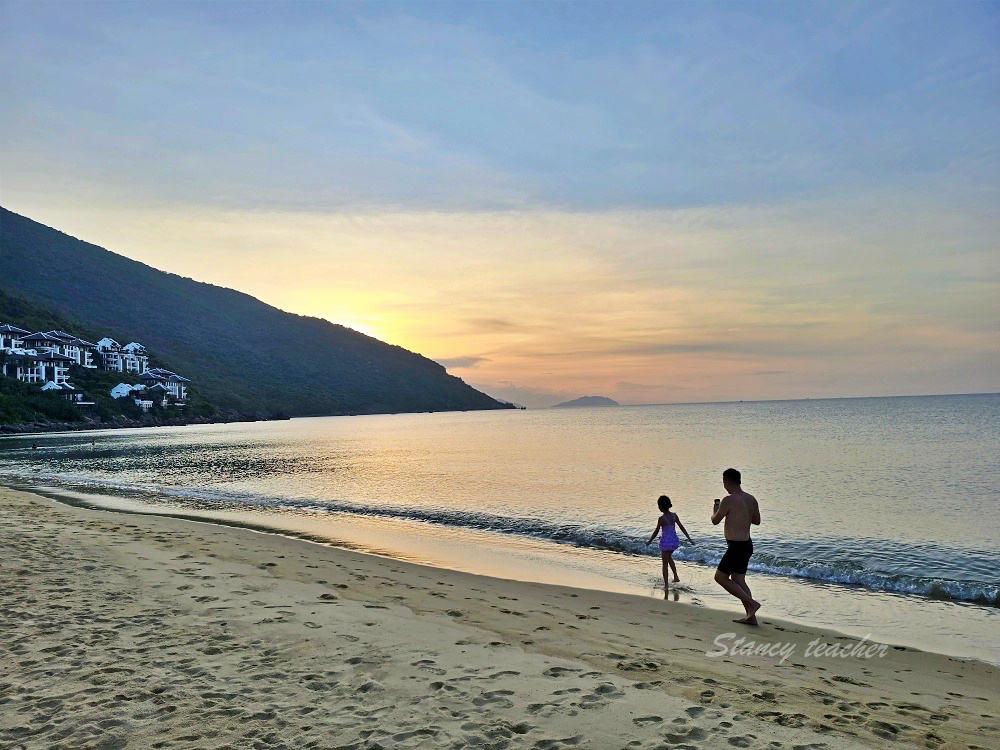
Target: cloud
(461, 363)
(494, 325)
(430, 108)
(774, 344)
(566, 303)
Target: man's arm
(755, 515)
(723, 510)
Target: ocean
(877, 512)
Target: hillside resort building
(46, 358)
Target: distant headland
(587, 401)
(244, 356)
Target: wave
(829, 561)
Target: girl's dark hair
(664, 503)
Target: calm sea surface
(878, 514)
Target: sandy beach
(148, 632)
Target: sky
(655, 202)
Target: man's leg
(740, 579)
(732, 587)
(741, 592)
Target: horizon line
(783, 400)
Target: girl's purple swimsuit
(668, 534)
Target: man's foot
(751, 618)
(676, 580)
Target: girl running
(667, 523)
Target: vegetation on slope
(241, 353)
(23, 402)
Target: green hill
(24, 403)
(241, 353)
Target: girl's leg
(673, 567)
(666, 571)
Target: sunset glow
(676, 202)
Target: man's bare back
(740, 510)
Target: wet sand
(145, 632)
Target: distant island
(587, 401)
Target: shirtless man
(740, 510)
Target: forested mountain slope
(240, 352)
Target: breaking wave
(874, 564)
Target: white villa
(33, 366)
(69, 393)
(146, 397)
(124, 389)
(159, 387)
(46, 357)
(80, 351)
(129, 358)
(174, 383)
(11, 337)
(138, 393)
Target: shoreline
(958, 627)
(104, 608)
(45, 427)
(53, 428)
(847, 610)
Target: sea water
(878, 513)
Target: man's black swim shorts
(734, 562)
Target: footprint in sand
(428, 666)
(494, 697)
(559, 671)
(639, 666)
(782, 719)
(643, 721)
(695, 734)
(883, 729)
(850, 681)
